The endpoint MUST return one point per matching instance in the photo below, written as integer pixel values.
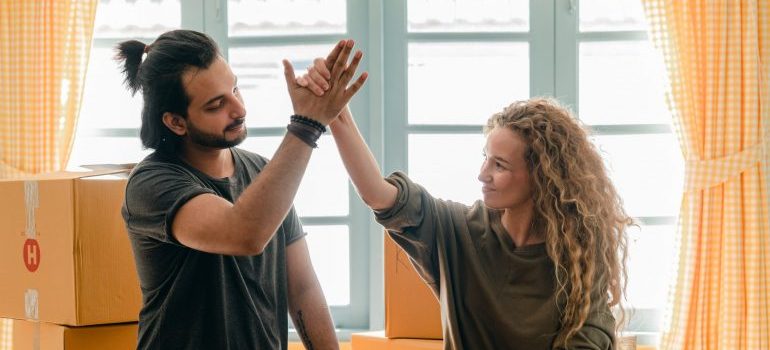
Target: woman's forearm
(360, 163)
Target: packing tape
(30, 311)
(32, 202)
(30, 304)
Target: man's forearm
(313, 321)
(264, 204)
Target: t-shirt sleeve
(597, 332)
(154, 194)
(292, 227)
(415, 222)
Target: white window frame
(380, 30)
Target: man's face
(216, 114)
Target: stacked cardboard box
(412, 314)
(66, 263)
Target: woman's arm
(377, 193)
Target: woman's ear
(175, 123)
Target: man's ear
(175, 123)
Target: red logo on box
(31, 255)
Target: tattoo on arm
(303, 331)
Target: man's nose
(239, 109)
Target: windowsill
(343, 334)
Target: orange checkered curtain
(44, 47)
(717, 54)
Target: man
(219, 250)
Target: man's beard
(202, 138)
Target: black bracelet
(304, 132)
(308, 121)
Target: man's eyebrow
(220, 96)
(214, 99)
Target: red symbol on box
(31, 255)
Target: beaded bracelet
(308, 121)
(304, 132)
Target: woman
(539, 262)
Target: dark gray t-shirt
(198, 300)
(492, 295)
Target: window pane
(282, 17)
(622, 83)
(447, 165)
(609, 15)
(468, 15)
(106, 150)
(329, 251)
(324, 188)
(465, 83)
(651, 265)
(262, 83)
(136, 18)
(106, 101)
(647, 171)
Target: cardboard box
(411, 309)
(378, 341)
(65, 257)
(27, 335)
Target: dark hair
(159, 77)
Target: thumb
(288, 73)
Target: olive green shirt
(492, 294)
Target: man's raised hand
(337, 92)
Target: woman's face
(504, 174)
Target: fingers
(302, 81)
(342, 60)
(353, 89)
(306, 82)
(317, 78)
(334, 54)
(320, 64)
(288, 73)
(351, 69)
(313, 79)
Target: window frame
(380, 109)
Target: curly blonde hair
(576, 207)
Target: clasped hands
(323, 91)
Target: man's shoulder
(156, 167)
(251, 159)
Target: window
(438, 70)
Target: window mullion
(215, 23)
(192, 15)
(566, 53)
(542, 58)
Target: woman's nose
(483, 175)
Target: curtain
(44, 48)
(716, 53)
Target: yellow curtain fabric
(44, 47)
(717, 54)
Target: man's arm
(307, 304)
(245, 227)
